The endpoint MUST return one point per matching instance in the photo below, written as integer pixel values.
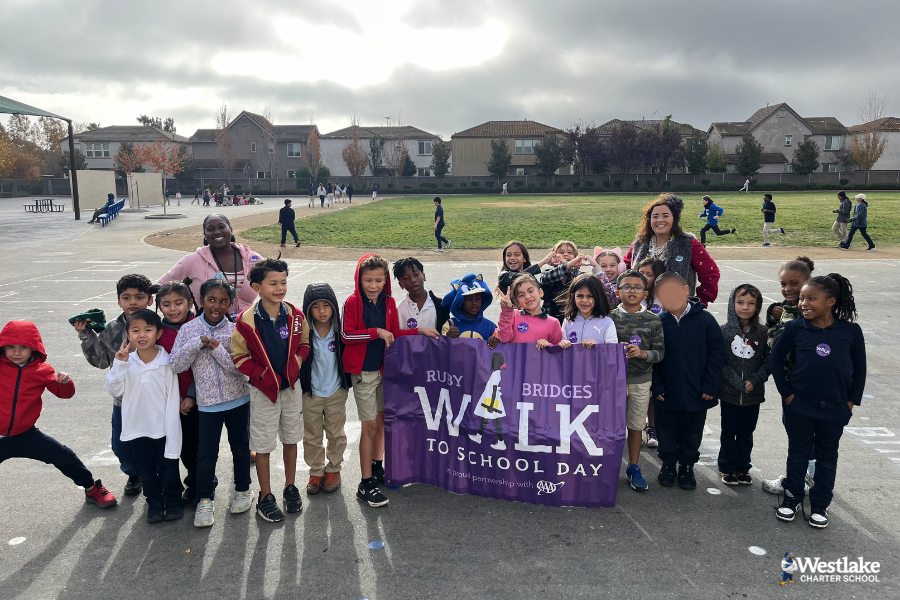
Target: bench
(43, 205)
(111, 213)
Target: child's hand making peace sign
(505, 301)
(124, 350)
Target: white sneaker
(438, 250)
(501, 445)
(241, 502)
(475, 437)
(203, 516)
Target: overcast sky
(446, 65)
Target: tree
(868, 145)
(498, 163)
(376, 153)
(354, 155)
(660, 147)
(80, 162)
(695, 153)
(7, 155)
(549, 154)
(749, 155)
(583, 148)
(226, 157)
(167, 125)
(395, 156)
(806, 157)
(847, 158)
(409, 167)
(163, 157)
(440, 158)
(715, 158)
(268, 161)
(624, 148)
(24, 138)
(312, 158)
(186, 160)
(127, 161)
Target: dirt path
(187, 239)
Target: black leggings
(715, 228)
(36, 445)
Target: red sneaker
(315, 485)
(100, 496)
(332, 482)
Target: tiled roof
(757, 117)
(128, 133)
(885, 124)
(767, 158)
(641, 124)
(826, 125)
(283, 133)
(204, 135)
(507, 129)
(732, 127)
(389, 133)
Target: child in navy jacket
(686, 382)
(828, 381)
(712, 214)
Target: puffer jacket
(21, 387)
(747, 359)
(215, 376)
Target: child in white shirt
(150, 413)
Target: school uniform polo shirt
(274, 334)
(411, 316)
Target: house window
(424, 172)
(292, 175)
(790, 168)
(829, 168)
(520, 170)
(425, 147)
(260, 174)
(293, 150)
(525, 146)
(782, 113)
(96, 150)
(244, 121)
(832, 142)
(252, 147)
(271, 147)
(787, 140)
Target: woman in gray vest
(659, 235)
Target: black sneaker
(293, 503)
(686, 479)
(267, 508)
(818, 516)
(378, 472)
(368, 492)
(666, 475)
(133, 486)
(189, 496)
(174, 512)
(788, 508)
(155, 514)
(744, 478)
(730, 479)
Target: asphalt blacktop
(714, 542)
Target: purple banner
(515, 423)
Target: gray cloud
(700, 61)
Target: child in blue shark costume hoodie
(468, 300)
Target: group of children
(330, 192)
(177, 380)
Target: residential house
(779, 128)
(889, 127)
(417, 142)
(686, 131)
(101, 145)
(261, 149)
(471, 147)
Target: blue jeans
(862, 232)
(237, 422)
(122, 451)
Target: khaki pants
(324, 416)
(767, 227)
(840, 230)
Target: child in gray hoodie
(743, 382)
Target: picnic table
(43, 205)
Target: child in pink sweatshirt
(529, 324)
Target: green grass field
(607, 220)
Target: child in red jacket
(369, 326)
(24, 374)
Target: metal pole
(76, 205)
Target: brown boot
(315, 485)
(332, 482)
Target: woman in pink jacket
(220, 256)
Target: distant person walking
(375, 191)
(768, 211)
(505, 191)
(321, 192)
(746, 187)
(439, 224)
(312, 195)
(205, 197)
(712, 214)
(859, 222)
(349, 191)
(286, 219)
(843, 217)
(330, 195)
(196, 198)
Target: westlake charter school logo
(807, 569)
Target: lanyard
(225, 275)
